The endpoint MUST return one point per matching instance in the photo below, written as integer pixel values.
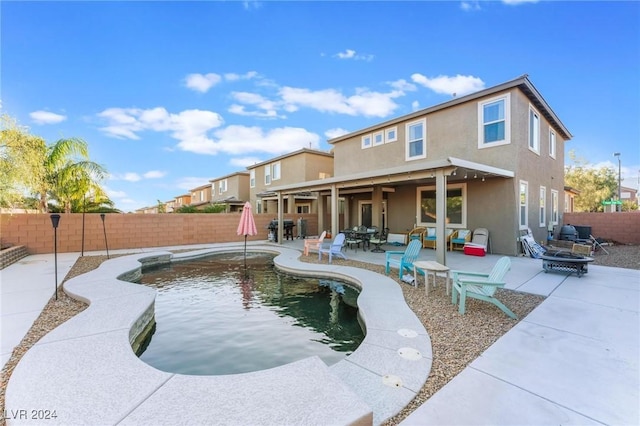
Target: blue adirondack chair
(404, 259)
(481, 286)
(333, 249)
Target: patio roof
(404, 173)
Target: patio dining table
(363, 235)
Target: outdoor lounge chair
(429, 240)
(481, 286)
(404, 259)
(313, 243)
(480, 239)
(459, 238)
(333, 249)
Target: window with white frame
(259, 206)
(416, 140)
(534, 130)
(366, 141)
(552, 143)
(554, 207)
(543, 206)
(494, 119)
(276, 171)
(252, 178)
(456, 205)
(524, 205)
(378, 138)
(267, 174)
(391, 135)
(222, 186)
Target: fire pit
(565, 261)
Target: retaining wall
(621, 227)
(123, 231)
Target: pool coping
(86, 371)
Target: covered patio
(382, 182)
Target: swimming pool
(213, 317)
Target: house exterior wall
(201, 194)
(297, 167)
(454, 132)
(237, 186)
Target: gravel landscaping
(456, 339)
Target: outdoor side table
(430, 267)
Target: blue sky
(171, 94)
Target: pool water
(215, 317)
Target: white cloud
(114, 194)
(46, 117)
(202, 82)
(364, 102)
(190, 182)
(244, 161)
(237, 139)
(469, 6)
(334, 133)
(154, 174)
(518, 2)
(352, 54)
(235, 77)
(403, 85)
(131, 177)
(415, 105)
(266, 107)
(458, 85)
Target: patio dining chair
(404, 259)
(353, 238)
(481, 286)
(313, 243)
(379, 239)
(333, 249)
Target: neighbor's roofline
(291, 154)
(521, 82)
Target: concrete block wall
(12, 255)
(35, 232)
(621, 227)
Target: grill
(568, 233)
(288, 229)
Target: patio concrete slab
(476, 398)
(583, 374)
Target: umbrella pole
(245, 253)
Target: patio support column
(334, 210)
(321, 213)
(291, 203)
(280, 218)
(376, 207)
(441, 217)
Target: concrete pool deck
(573, 360)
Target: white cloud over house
(445, 85)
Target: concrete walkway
(573, 360)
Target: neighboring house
(200, 196)
(570, 195)
(147, 210)
(293, 168)
(498, 152)
(179, 201)
(231, 190)
(628, 194)
(169, 206)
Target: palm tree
(65, 179)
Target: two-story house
(201, 196)
(492, 159)
(231, 190)
(293, 168)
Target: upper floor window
(391, 135)
(267, 174)
(524, 205)
(222, 186)
(276, 171)
(552, 143)
(366, 141)
(252, 178)
(494, 121)
(416, 140)
(534, 130)
(378, 138)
